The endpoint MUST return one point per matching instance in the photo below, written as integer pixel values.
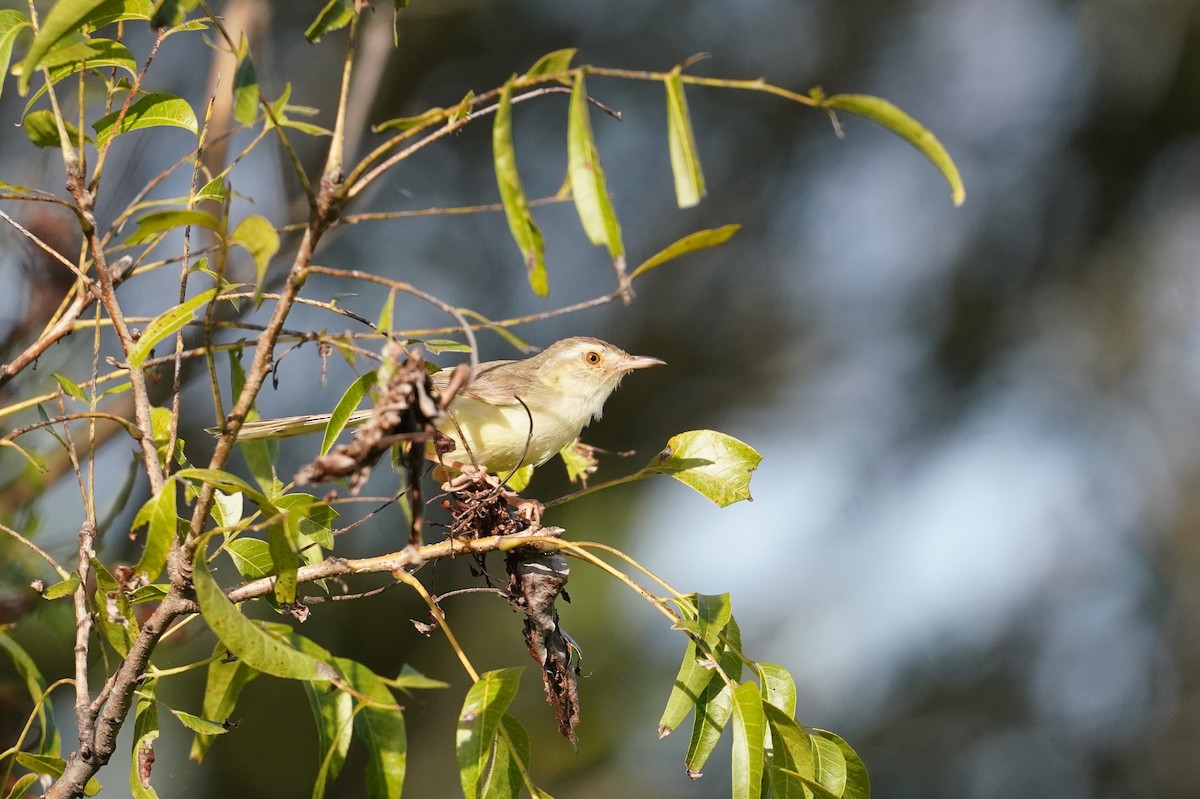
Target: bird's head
(587, 370)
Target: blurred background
(973, 535)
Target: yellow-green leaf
(345, 408)
(165, 324)
(42, 130)
(479, 723)
(245, 86)
(153, 110)
(551, 63)
(681, 141)
(62, 588)
(715, 464)
(224, 684)
(749, 731)
(336, 15)
(67, 17)
(587, 176)
(899, 122)
(700, 240)
(259, 238)
(200, 725)
(525, 231)
(260, 650)
(11, 25)
(158, 222)
(159, 515)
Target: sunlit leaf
(897, 121)
(345, 408)
(261, 650)
(715, 464)
(379, 724)
(587, 176)
(67, 17)
(700, 240)
(69, 387)
(681, 141)
(114, 612)
(153, 224)
(525, 231)
(551, 63)
(245, 86)
(713, 709)
(336, 15)
(857, 785)
(749, 730)
(408, 123)
(778, 687)
(165, 324)
(201, 725)
(11, 24)
(251, 557)
(259, 238)
(478, 723)
(153, 110)
(160, 516)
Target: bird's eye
(593, 357)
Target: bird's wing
(491, 391)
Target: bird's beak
(640, 362)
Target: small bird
(513, 413)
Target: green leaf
(510, 764)
(334, 715)
(778, 687)
(260, 456)
(251, 557)
(43, 132)
(201, 725)
(261, 650)
(525, 231)
(64, 19)
(90, 54)
(411, 679)
(681, 141)
(689, 685)
(11, 25)
(714, 612)
(749, 731)
(336, 15)
(897, 121)
(713, 709)
(171, 13)
(160, 516)
(166, 324)
(43, 764)
(22, 786)
(700, 240)
(856, 784)
(345, 408)
(153, 224)
(222, 688)
(114, 612)
(408, 123)
(551, 63)
(715, 464)
(587, 176)
(145, 733)
(479, 722)
(153, 110)
(830, 764)
(245, 86)
(62, 588)
(35, 686)
(214, 190)
(69, 387)
(379, 724)
(259, 238)
(790, 758)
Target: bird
(513, 413)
